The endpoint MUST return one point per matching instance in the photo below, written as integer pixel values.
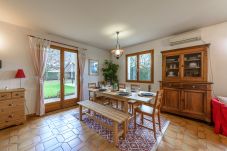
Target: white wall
(14, 53)
(216, 35)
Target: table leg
(126, 111)
(122, 105)
(80, 108)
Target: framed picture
(93, 67)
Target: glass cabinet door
(172, 66)
(193, 65)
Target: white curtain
(38, 49)
(82, 59)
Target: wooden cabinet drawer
(11, 110)
(195, 87)
(9, 120)
(6, 103)
(5, 96)
(11, 115)
(17, 94)
(172, 85)
(11, 103)
(17, 102)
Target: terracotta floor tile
(61, 131)
(39, 147)
(68, 134)
(74, 142)
(50, 143)
(65, 147)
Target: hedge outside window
(140, 67)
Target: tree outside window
(140, 67)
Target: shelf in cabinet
(172, 62)
(173, 69)
(192, 68)
(192, 60)
(175, 76)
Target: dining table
(132, 96)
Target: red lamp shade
(20, 73)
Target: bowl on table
(146, 94)
(102, 89)
(123, 93)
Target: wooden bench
(116, 116)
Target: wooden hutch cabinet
(184, 80)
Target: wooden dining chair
(132, 103)
(100, 83)
(151, 110)
(149, 88)
(122, 85)
(91, 86)
(135, 87)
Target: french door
(61, 78)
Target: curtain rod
(56, 42)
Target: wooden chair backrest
(149, 88)
(135, 86)
(158, 100)
(91, 85)
(100, 83)
(122, 86)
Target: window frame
(137, 54)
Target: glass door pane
(70, 75)
(172, 66)
(192, 65)
(52, 86)
(145, 67)
(132, 67)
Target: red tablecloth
(219, 116)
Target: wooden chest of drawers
(12, 107)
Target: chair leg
(116, 104)
(132, 109)
(141, 118)
(129, 106)
(159, 122)
(81, 112)
(134, 119)
(154, 128)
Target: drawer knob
(10, 104)
(11, 116)
(193, 86)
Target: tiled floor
(62, 131)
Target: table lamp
(20, 74)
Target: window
(140, 67)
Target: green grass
(52, 89)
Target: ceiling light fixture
(118, 51)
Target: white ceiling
(94, 22)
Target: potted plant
(109, 72)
